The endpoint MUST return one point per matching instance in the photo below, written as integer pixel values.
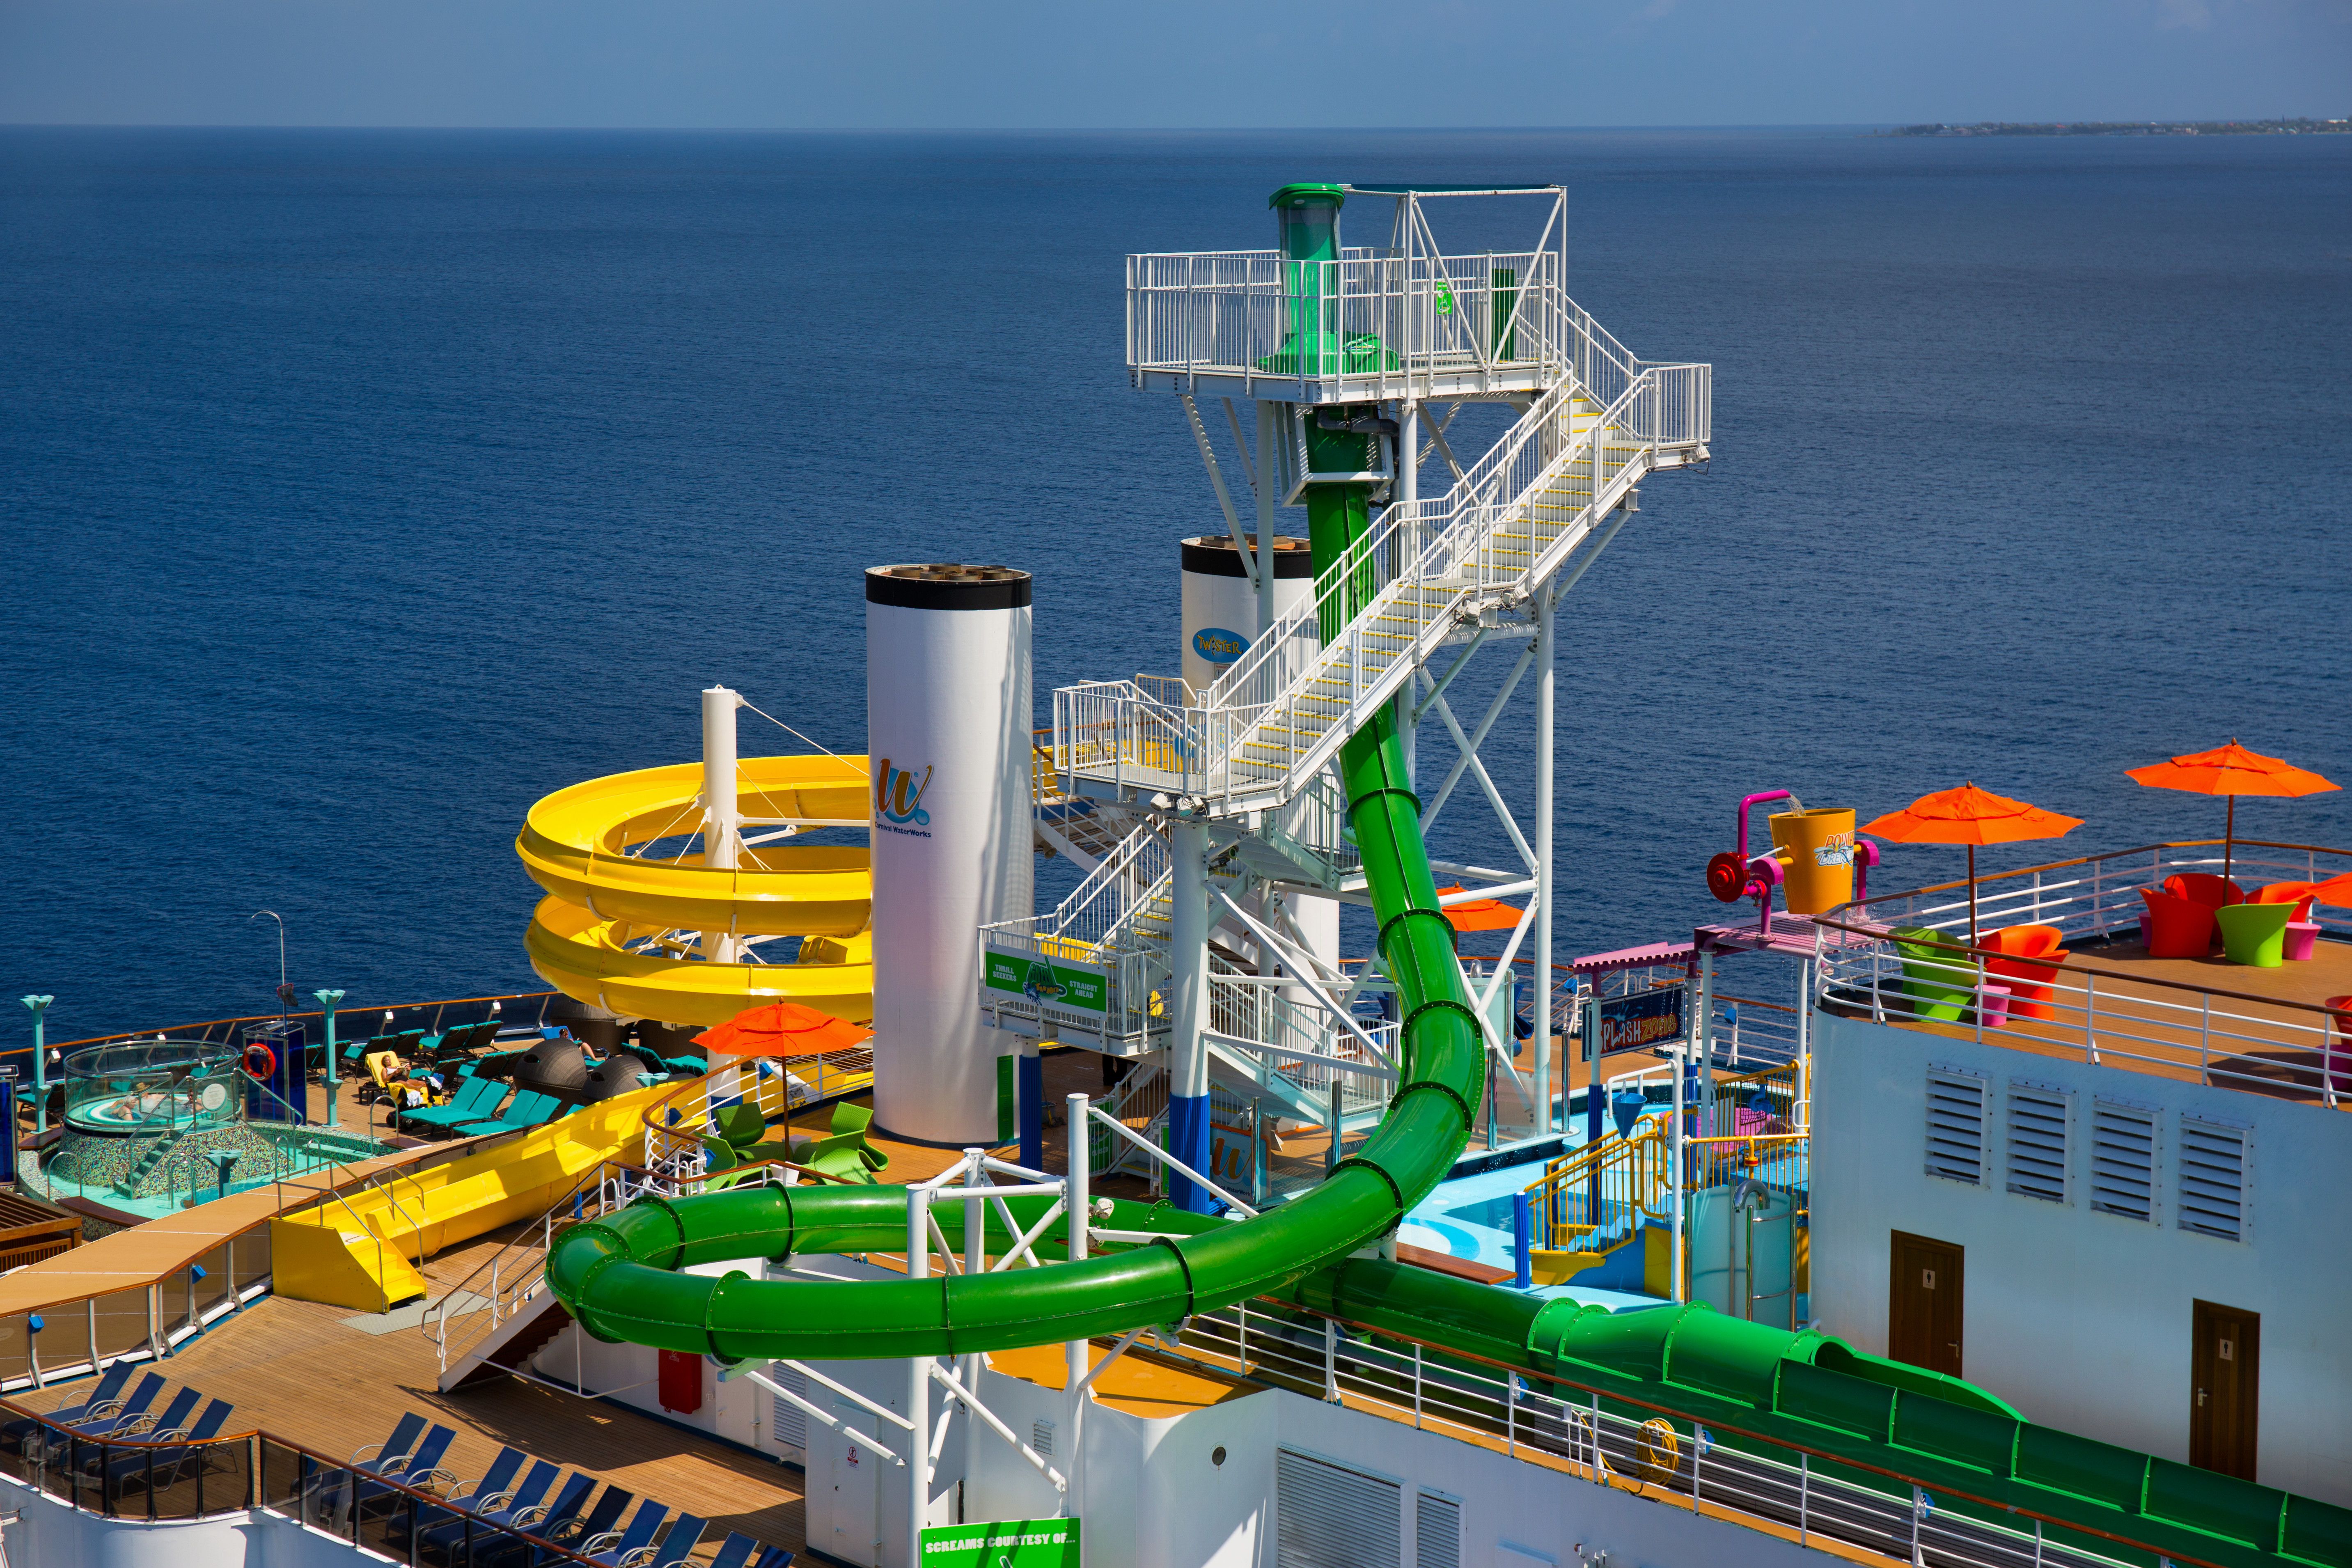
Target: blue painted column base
(1029, 1087)
(1188, 1139)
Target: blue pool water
(356, 488)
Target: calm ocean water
(358, 489)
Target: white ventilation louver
(2123, 1158)
(1041, 1438)
(2038, 1114)
(1956, 1125)
(1437, 1531)
(2213, 1177)
(1333, 1516)
(787, 1422)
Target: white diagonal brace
(946, 1380)
(1217, 483)
(827, 1416)
(1347, 1019)
(1170, 1161)
(1470, 748)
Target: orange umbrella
(1971, 815)
(784, 1029)
(1480, 915)
(2230, 770)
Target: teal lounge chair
(1940, 979)
(529, 1108)
(477, 1099)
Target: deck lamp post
(223, 1160)
(39, 1004)
(327, 1002)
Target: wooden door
(2225, 1377)
(1927, 1283)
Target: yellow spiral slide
(620, 927)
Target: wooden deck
(301, 1372)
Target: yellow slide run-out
(617, 929)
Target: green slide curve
(618, 1276)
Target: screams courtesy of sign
(1642, 1022)
(1004, 1544)
(1218, 645)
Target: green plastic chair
(2254, 934)
(1940, 979)
(844, 1153)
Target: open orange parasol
(1971, 815)
(2230, 770)
(1480, 915)
(785, 1029)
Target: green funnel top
(1310, 219)
(1309, 195)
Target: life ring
(269, 1061)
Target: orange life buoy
(268, 1060)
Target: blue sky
(931, 63)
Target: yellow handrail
(1618, 1177)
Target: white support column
(1547, 602)
(918, 1384)
(1188, 1052)
(722, 833)
(1268, 431)
(1680, 1056)
(1408, 491)
(1079, 1203)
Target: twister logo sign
(1219, 646)
(898, 800)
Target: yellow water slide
(620, 927)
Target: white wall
(2082, 1320)
(1153, 1499)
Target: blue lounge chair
(102, 1398)
(739, 1551)
(174, 1418)
(134, 1409)
(492, 1483)
(150, 1468)
(422, 1466)
(677, 1543)
(490, 1511)
(531, 1524)
(371, 1458)
(612, 1548)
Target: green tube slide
(619, 1275)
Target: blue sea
(358, 489)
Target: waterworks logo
(898, 799)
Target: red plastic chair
(2177, 927)
(2028, 984)
(2295, 893)
(2205, 888)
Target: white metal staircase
(1509, 524)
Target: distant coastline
(2133, 127)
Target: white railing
(1906, 958)
(1568, 1436)
(1369, 326)
(1113, 923)
(1294, 1051)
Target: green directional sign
(1054, 985)
(1002, 1543)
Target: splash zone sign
(1644, 1021)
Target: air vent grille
(1437, 1531)
(2123, 1158)
(787, 1422)
(2213, 1178)
(2038, 1117)
(1956, 1125)
(1041, 1438)
(1330, 1516)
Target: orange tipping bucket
(1815, 849)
